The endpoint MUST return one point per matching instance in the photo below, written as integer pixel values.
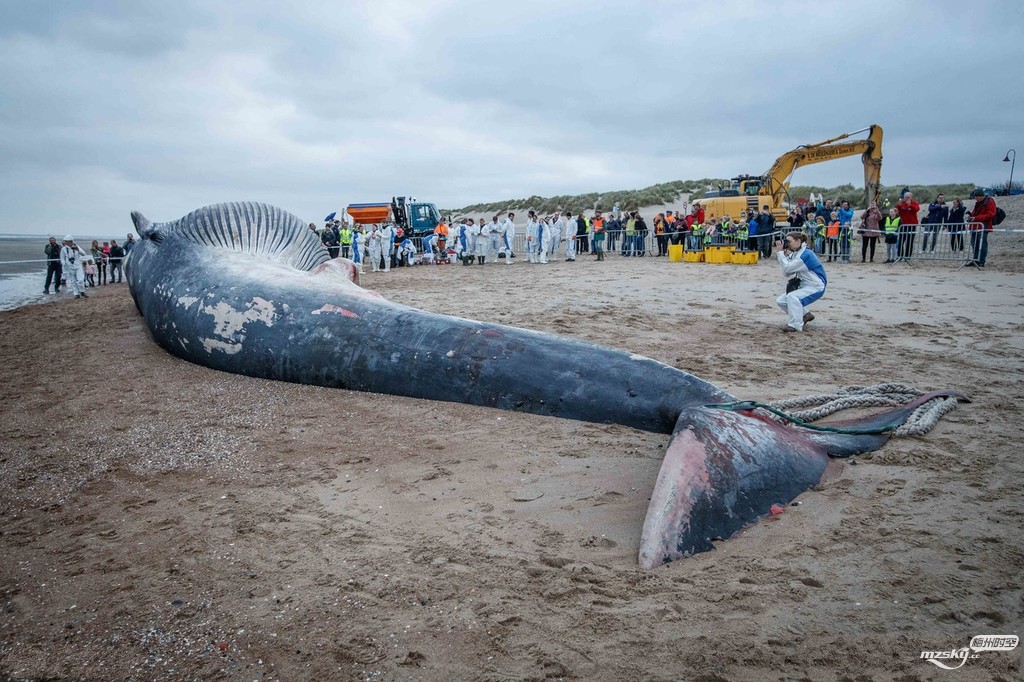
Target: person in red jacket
(980, 224)
(908, 210)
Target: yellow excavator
(748, 194)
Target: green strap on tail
(747, 405)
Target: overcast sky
(109, 106)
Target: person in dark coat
(53, 266)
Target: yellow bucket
(693, 256)
(675, 253)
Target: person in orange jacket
(442, 235)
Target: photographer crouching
(807, 279)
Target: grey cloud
(109, 106)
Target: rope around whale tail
(808, 409)
(815, 407)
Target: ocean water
(23, 269)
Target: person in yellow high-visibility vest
(891, 229)
(345, 237)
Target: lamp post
(1012, 162)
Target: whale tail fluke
(845, 442)
(723, 470)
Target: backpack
(999, 217)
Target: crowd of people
(384, 245)
(69, 265)
(829, 227)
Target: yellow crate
(717, 254)
(744, 257)
(675, 253)
(693, 256)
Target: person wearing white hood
(462, 242)
(570, 238)
(387, 244)
(375, 247)
(358, 247)
(508, 237)
(557, 229)
(472, 237)
(72, 260)
(495, 244)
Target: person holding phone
(800, 263)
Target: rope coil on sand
(920, 422)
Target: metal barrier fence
(958, 243)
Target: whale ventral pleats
(252, 228)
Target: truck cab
(415, 217)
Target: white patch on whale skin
(229, 348)
(228, 322)
(187, 301)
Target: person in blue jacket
(752, 230)
(800, 262)
(845, 214)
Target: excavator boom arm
(776, 179)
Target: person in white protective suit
(799, 261)
(358, 247)
(495, 244)
(557, 228)
(387, 244)
(483, 241)
(472, 236)
(375, 247)
(407, 251)
(531, 236)
(543, 240)
(570, 238)
(429, 248)
(461, 235)
(508, 237)
(72, 261)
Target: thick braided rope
(920, 422)
(926, 417)
(845, 403)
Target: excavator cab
(746, 185)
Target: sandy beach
(161, 520)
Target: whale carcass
(248, 288)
